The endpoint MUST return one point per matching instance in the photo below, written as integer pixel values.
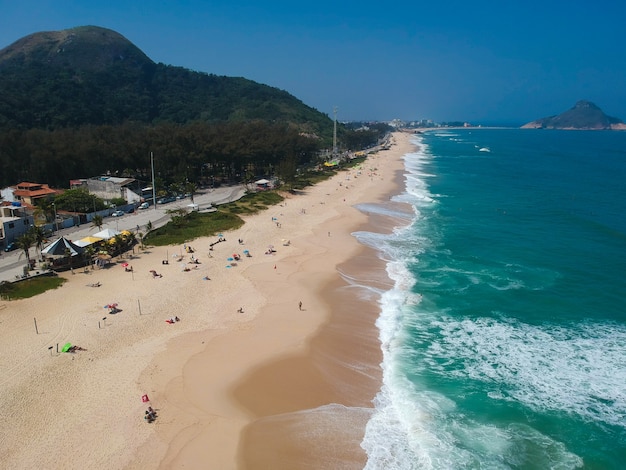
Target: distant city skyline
(481, 62)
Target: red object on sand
(144, 398)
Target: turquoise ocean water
(504, 337)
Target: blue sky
(487, 62)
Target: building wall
(14, 227)
(104, 189)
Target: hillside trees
(191, 152)
(78, 200)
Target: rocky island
(583, 116)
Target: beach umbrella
(230, 259)
(66, 347)
(246, 251)
(124, 265)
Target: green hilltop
(93, 75)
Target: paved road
(12, 264)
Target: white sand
(84, 410)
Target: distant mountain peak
(585, 115)
(86, 48)
(94, 75)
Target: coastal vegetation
(185, 226)
(194, 225)
(85, 101)
(29, 287)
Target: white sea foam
(579, 369)
(413, 427)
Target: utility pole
(335, 132)
(56, 224)
(153, 186)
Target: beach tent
(60, 247)
(262, 182)
(83, 242)
(107, 233)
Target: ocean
(504, 336)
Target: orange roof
(33, 190)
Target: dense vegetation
(196, 152)
(92, 75)
(83, 102)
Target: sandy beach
(248, 378)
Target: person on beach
(300, 305)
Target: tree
(179, 216)
(119, 242)
(190, 188)
(97, 221)
(24, 242)
(68, 259)
(130, 240)
(44, 211)
(78, 200)
(38, 237)
(89, 252)
(149, 227)
(287, 170)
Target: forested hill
(94, 76)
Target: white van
(144, 205)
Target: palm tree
(97, 221)
(131, 240)
(24, 242)
(149, 227)
(190, 188)
(68, 259)
(38, 237)
(88, 254)
(44, 211)
(119, 241)
(140, 236)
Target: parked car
(144, 205)
(11, 246)
(166, 200)
(118, 213)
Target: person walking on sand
(300, 305)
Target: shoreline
(341, 365)
(199, 373)
(274, 397)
